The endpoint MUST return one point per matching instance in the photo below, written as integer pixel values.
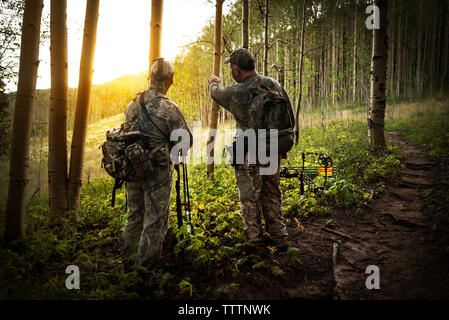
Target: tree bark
(398, 56)
(418, 58)
(157, 7)
(333, 63)
(354, 61)
(57, 123)
(217, 67)
(392, 48)
(245, 24)
(266, 37)
(378, 78)
(82, 103)
(22, 122)
(445, 69)
(301, 60)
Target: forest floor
(386, 208)
(396, 233)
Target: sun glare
(123, 36)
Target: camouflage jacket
(236, 98)
(165, 114)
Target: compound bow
(314, 164)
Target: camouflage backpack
(126, 155)
(269, 109)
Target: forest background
(335, 84)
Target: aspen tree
(22, 121)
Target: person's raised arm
(218, 93)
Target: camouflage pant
(260, 194)
(147, 221)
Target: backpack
(269, 109)
(126, 154)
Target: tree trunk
(333, 63)
(418, 58)
(301, 60)
(22, 122)
(392, 48)
(245, 24)
(445, 69)
(82, 103)
(378, 78)
(217, 67)
(157, 7)
(57, 123)
(266, 37)
(398, 57)
(354, 61)
(287, 68)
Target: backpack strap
(141, 103)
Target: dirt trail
(396, 233)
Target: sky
(123, 35)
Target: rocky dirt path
(396, 234)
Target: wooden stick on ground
(334, 266)
(334, 255)
(339, 234)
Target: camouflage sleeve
(128, 114)
(223, 96)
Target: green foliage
(217, 250)
(356, 163)
(11, 16)
(426, 130)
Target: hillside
(107, 99)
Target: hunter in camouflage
(259, 194)
(149, 198)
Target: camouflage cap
(242, 58)
(161, 70)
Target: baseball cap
(242, 58)
(161, 70)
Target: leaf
(259, 265)
(276, 271)
(185, 287)
(225, 250)
(293, 251)
(297, 263)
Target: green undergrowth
(214, 262)
(426, 130)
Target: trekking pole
(178, 197)
(185, 177)
(301, 179)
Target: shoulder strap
(145, 111)
(244, 84)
